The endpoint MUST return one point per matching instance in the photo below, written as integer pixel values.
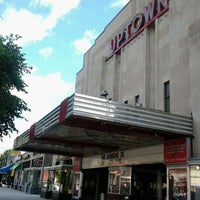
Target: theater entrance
(145, 182)
(149, 182)
(95, 183)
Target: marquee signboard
(141, 20)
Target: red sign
(32, 132)
(152, 11)
(175, 151)
(77, 164)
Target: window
(137, 99)
(119, 180)
(177, 183)
(167, 96)
(194, 182)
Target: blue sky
(55, 35)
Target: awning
(6, 169)
(84, 125)
(16, 166)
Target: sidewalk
(12, 194)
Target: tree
(12, 69)
(10, 152)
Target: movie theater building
(134, 119)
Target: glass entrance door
(145, 186)
(148, 182)
(89, 187)
(95, 182)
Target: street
(12, 194)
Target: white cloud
(83, 44)
(35, 27)
(24, 23)
(119, 3)
(44, 94)
(46, 52)
(58, 9)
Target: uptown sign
(152, 11)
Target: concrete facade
(166, 50)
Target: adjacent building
(37, 173)
(134, 121)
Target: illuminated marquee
(152, 11)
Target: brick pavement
(12, 194)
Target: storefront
(120, 177)
(31, 176)
(16, 171)
(6, 178)
(31, 179)
(194, 177)
(57, 182)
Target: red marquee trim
(32, 132)
(63, 111)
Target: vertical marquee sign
(141, 20)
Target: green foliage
(12, 69)
(10, 152)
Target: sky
(55, 36)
